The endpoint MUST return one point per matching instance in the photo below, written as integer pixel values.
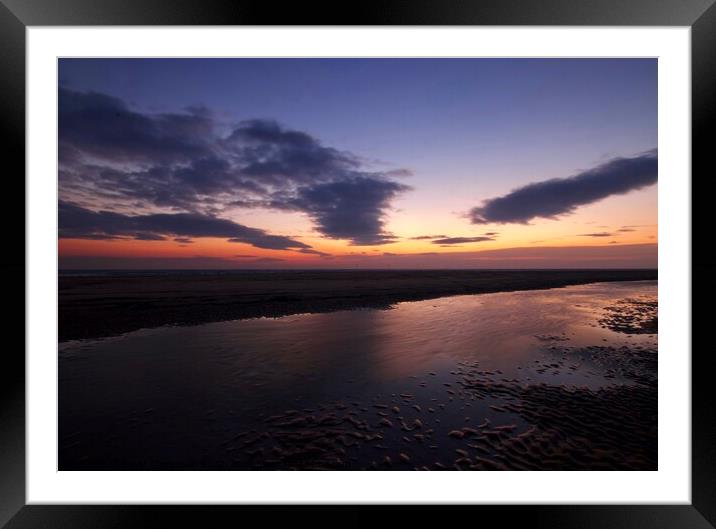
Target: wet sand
(538, 426)
(100, 306)
(571, 428)
(543, 380)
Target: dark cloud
(149, 237)
(269, 151)
(597, 234)
(183, 240)
(461, 240)
(76, 222)
(445, 240)
(265, 260)
(103, 126)
(427, 237)
(311, 251)
(350, 209)
(113, 155)
(561, 196)
(626, 230)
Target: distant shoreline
(102, 305)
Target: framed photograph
(416, 255)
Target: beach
(106, 304)
(533, 379)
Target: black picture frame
(16, 15)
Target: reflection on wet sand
(544, 379)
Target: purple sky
(327, 162)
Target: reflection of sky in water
(215, 379)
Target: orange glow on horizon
(624, 220)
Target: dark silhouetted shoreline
(96, 306)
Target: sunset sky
(342, 163)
